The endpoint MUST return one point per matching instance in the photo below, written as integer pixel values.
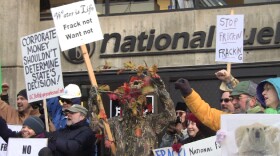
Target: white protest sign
(3, 144)
(229, 38)
(42, 67)
(76, 24)
(168, 151)
(251, 134)
(203, 147)
(26, 146)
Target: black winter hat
(181, 106)
(34, 123)
(23, 93)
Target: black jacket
(190, 139)
(7, 133)
(74, 140)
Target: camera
(178, 120)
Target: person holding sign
(75, 139)
(72, 95)
(196, 130)
(33, 127)
(228, 83)
(17, 116)
(243, 99)
(268, 92)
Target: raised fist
(223, 75)
(184, 86)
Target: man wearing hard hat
(72, 95)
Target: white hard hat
(71, 91)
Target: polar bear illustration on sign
(257, 140)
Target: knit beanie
(23, 93)
(181, 106)
(35, 123)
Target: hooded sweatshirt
(276, 84)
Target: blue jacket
(275, 82)
(56, 113)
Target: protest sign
(168, 151)
(203, 147)
(251, 134)
(26, 146)
(42, 67)
(229, 38)
(76, 24)
(3, 144)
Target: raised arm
(210, 117)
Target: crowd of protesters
(70, 133)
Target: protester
(72, 95)
(176, 131)
(23, 111)
(135, 133)
(243, 95)
(268, 92)
(4, 95)
(75, 139)
(228, 83)
(196, 130)
(33, 127)
(244, 98)
(226, 103)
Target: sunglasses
(66, 101)
(68, 112)
(226, 100)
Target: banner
(76, 24)
(229, 38)
(42, 66)
(203, 147)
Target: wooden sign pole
(46, 115)
(229, 64)
(100, 104)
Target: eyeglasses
(226, 100)
(66, 101)
(180, 113)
